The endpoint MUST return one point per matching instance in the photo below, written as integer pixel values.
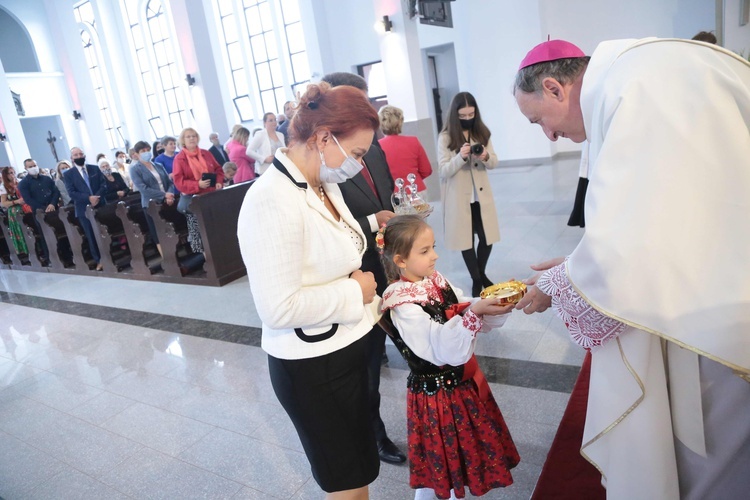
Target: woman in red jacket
(404, 154)
(195, 172)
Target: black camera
(477, 149)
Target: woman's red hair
(343, 110)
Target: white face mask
(348, 169)
(34, 171)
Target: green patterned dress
(16, 231)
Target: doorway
(443, 80)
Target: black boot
(470, 259)
(483, 256)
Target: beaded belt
(431, 383)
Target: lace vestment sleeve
(587, 326)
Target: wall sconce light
(384, 26)
(3, 137)
(190, 80)
(387, 24)
(77, 114)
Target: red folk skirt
(457, 440)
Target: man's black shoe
(389, 452)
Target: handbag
(184, 204)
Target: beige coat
(458, 178)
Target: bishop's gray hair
(529, 79)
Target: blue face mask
(348, 169)
(145, 156)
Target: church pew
(124, 222)
(55, 234)
(5, 251)
(171, 227)
(83, 261)
(29, 231)
(217, 214)
(144, 255)
(16, 260)
(110, 236)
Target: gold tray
(509, 292)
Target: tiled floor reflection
(108, 402)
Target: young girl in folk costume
(457, 436)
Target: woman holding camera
(464, 154)
(195, 172)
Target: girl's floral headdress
(380, 239)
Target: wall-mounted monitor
(435, 13)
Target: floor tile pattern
(114, 389)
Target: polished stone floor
(129, 389)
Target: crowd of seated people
(168, 170)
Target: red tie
(368, 178)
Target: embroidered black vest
(425, 376)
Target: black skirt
(326, 398)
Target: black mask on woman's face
(467, 124)
(80, 161)
(159, 151)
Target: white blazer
(259, 148)
(298, 259)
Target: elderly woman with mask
(117, 189)
(303, 249)
(152, 181)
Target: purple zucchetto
(551, 50)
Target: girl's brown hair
(343, 110)
(479, 131)
(10, 187)
(399, 236)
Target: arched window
(235, 60)
(167, 108)
(166, 68)
(102, 90)
(264, 52)
(295, 39)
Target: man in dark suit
(368, 196)
(40, 192)
(217, 150)
(86, 186)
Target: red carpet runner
(566, 474)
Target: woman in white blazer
(465, 153)
(264, 144)
(302, 248)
